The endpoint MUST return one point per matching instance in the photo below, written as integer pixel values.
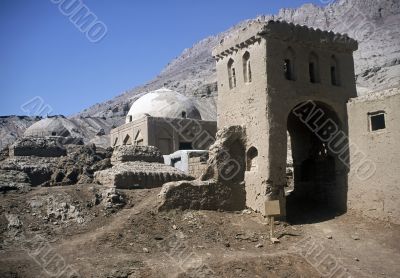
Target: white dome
(53, 126)
(163, 103)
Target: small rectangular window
(377, 121)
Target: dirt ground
(69, 232)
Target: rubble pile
(46, 162)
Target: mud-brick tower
(272, 77)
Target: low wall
(138, 174)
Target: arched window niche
(313, 68)
(251, 161)
(247, 68)
(289, 64)
(334, 71)
(231, 74)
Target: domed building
(163, 103)
(165, 119)
(53, 126)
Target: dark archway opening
(185, 146)
(315, 189)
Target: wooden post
(271, 225)
(272, 209)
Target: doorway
(314, 190)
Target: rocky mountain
(13, 127)
(374, 23)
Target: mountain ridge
(374, 24)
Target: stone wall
(374, 180)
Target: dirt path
(138, 241)
(148, 202)
(367, 248)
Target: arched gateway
(308, 106)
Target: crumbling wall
(226, 163)
(139, 174)
(204, 195)
(221, 186)
(42, 147)
(77, 166)
(136, 153)
(138, 167)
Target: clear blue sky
(44, 54)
